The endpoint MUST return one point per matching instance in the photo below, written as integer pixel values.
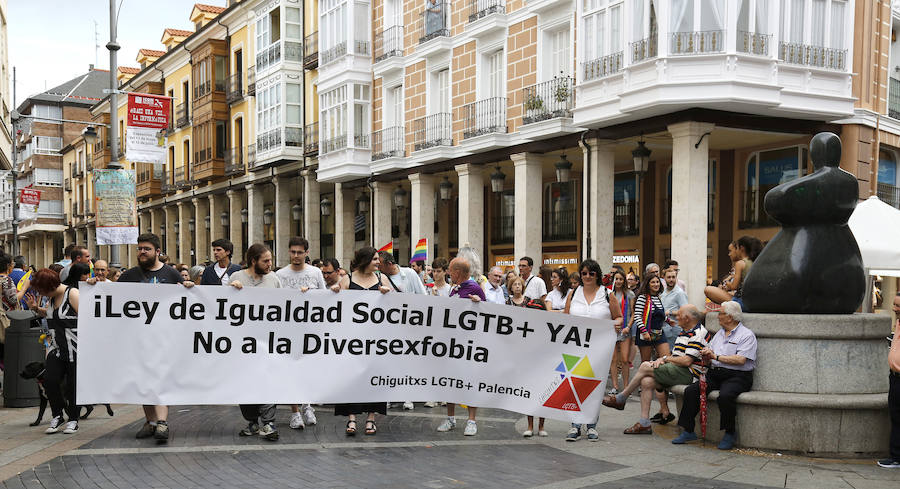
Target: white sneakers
(71, 427)
(297, 421)
(430, 404)
(447, 425)
(408, 406)
(471, 428)
(450, 423)
(309, 415)
(55, 423)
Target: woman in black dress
(364, 275)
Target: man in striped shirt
(683, 366)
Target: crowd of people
(651, 316)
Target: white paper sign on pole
(164, 344)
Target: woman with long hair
(364, 275)
(623, 354)
(742, 254)
(62, 318)
(559, 290)
(649, 318)
(591, 299)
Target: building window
(503, 217)
(765, 171)
(560, 216)
(888, 188)
(394, 113)
(333, 20)
(602, 34)
(47, 114)
(440, 98)
(625, 205)
(813, 32)
(557, 60)
(268, 117)
(333, 119)
(361, 100)
(494, 64)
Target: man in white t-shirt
(219, 273)
(299, 275)
(493, 289)
(535, 288)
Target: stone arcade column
(344, 212)
(529, 196)
(690, 176)
(284, 222)
(236, 233)
(202, 250)
(185, 243)
(254, 215)
(471, 207)
(382, 202)
(171, 213)
(311, 217)
(214, 207)
(599, 194)
(422, 211)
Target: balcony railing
(388, 143)
(560, 225)
(361, 48)
(293, 51)
(293, 137)
(503, 229)
(817, 56)
(435, 22)
(311, 139)
(333, 53)
(548, 100)
(166, 186)
(180, 180)
(889, 194)
(697, 42)
(625, 219)
(311, 51)
(361, 141)
(484, 117)
(268, 56)
(251, 81)
(753, 43)
(432, 130)
(251, 155)
(235, 90)
(181, 115)
(483, 8)
(234, 162)
(333, 144)
(201, 89)
(389, 42)
(269, 141)
(644, 49)
(602, 67)
(894, 98)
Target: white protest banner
(116, 196)
(148, 115)
(164, 344)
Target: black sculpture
(813, 265)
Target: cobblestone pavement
(205, 451)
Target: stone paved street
(205, 451)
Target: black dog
(36, 370)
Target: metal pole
(114, 164)
(15, 176)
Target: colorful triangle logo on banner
(578, 382)
(584, 387)
(583, 369)
(563, 398)
(570, 361)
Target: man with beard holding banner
(258, 274)
(152, 271)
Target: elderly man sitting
(733, 354)
(682, 367)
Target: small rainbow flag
(421, 251)
(91, 266)
(388, 247)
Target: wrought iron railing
(817, 56)
(432, 130)
(334, 144)
(311, 51)
(483, 8)
(234, 162)
(434, 22)
(201, 89)
(166, 185)
(361, 48)
(180, 178)
(361, 141)
(251, 81)
(560, 225)
(625, 219)
(269, 140)
(548, 100)
(293, 137)
(894, 98)
(182, 116)
(235, 90)
(333, 53)
(293, 51)
(484, 117)
(311, 139)
(644, 49)
(268, 56)
(388, 143)
(753, 43)
(251, 155)
(389, 42)
(601, 67)
(503, 229)
(889, 194)
(697, 42)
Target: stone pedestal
(820, 385)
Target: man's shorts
(669, 374)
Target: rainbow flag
(388, 247)
(91, 266)
(421, 251)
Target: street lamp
(297, 212)
(497, 179)
(399, 198)
(89, 134)
(206, 223)
(176, 226)
(325, 206)
(191, 225)
(563, 168)
(267, 216)
(362, 203)
(244, 215)
(445, 188)
(641, 156)
(223, 218)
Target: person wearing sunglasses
(593, 300)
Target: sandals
(351, 430)
(371, 429)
